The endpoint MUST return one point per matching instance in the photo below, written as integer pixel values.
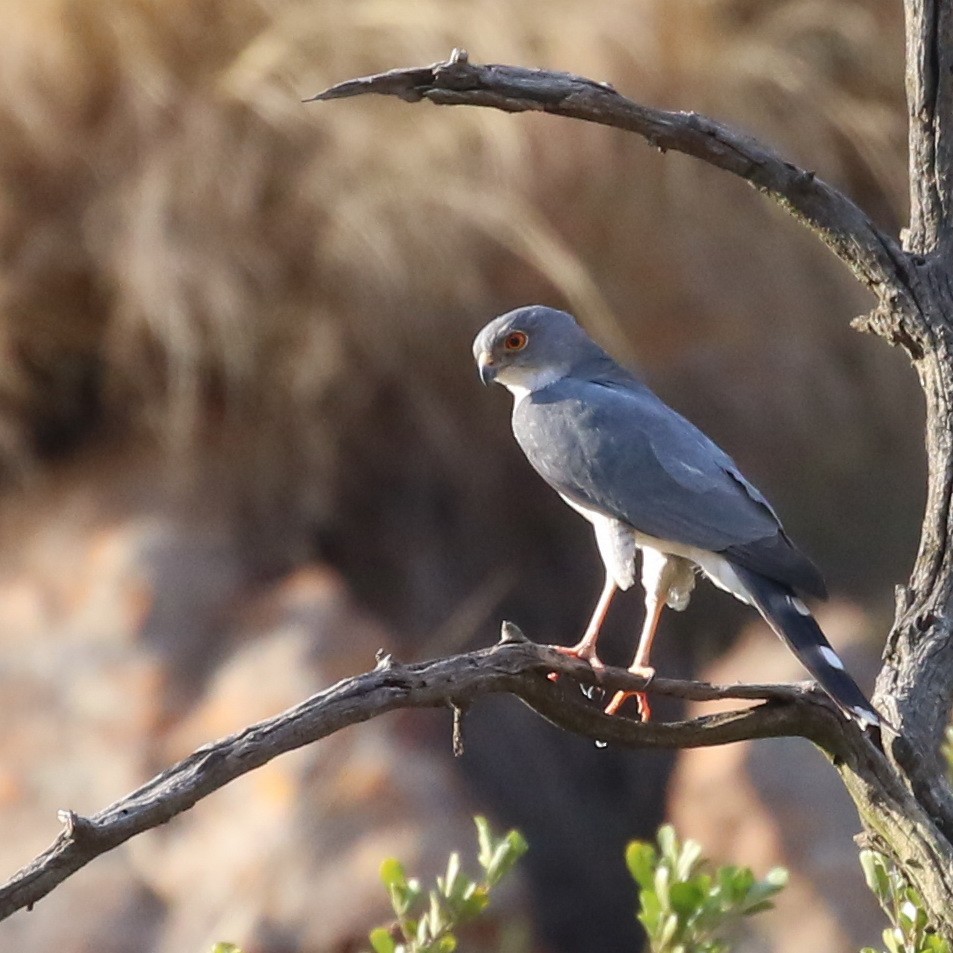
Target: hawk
(649, 481)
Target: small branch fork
(874, 257)
(515, 666)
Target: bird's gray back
(611, 444)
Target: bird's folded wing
(619, 449)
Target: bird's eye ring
(515, 341)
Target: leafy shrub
(909, 930)
(427, 923)
(686, 905)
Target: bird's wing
(619, 449)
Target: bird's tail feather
(792, 621)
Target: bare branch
(514, 666)
(874, 257)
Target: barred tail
(792, 621)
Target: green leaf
(392, 873)
(422, 934)
(226, 948)
(757, 908)
(907, 916)
(485, 841)
(517, 843)
(474, 904)
(668, 842)
(685, 898)
(739, 881)
(876, 874)
(498, 855)
(650, 912)
(893, 940)
(760, 893)
(687, 859)
(508, 851)
(661, 882)
(380, 939)
(641, 858)
(446, 944)
(869, 864)
(734, 883)
(404, 895)
(668, 931)
(936, 944)
(453, 883)
(438, 920)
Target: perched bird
(647, 479)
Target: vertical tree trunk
(914, 685)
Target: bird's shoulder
(615, 446)
(620, 415)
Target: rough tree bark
(900, 789)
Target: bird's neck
(522, 385)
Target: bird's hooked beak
(487, 367)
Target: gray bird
(648, 480)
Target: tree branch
(845, 228)
(930, 112)
(513, 666)
(913, 688)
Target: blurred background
(243, 445)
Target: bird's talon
(583, 654)
(618, 700)
(643, 671)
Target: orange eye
(515, 341)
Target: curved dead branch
(843, 226)
(513, 666)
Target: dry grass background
(277, 300)
(189, 253)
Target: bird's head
(531, 347)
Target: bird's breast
(617, 542)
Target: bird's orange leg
(654, 604)
(585, 648)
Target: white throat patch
(521, 384)
(518, 391)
